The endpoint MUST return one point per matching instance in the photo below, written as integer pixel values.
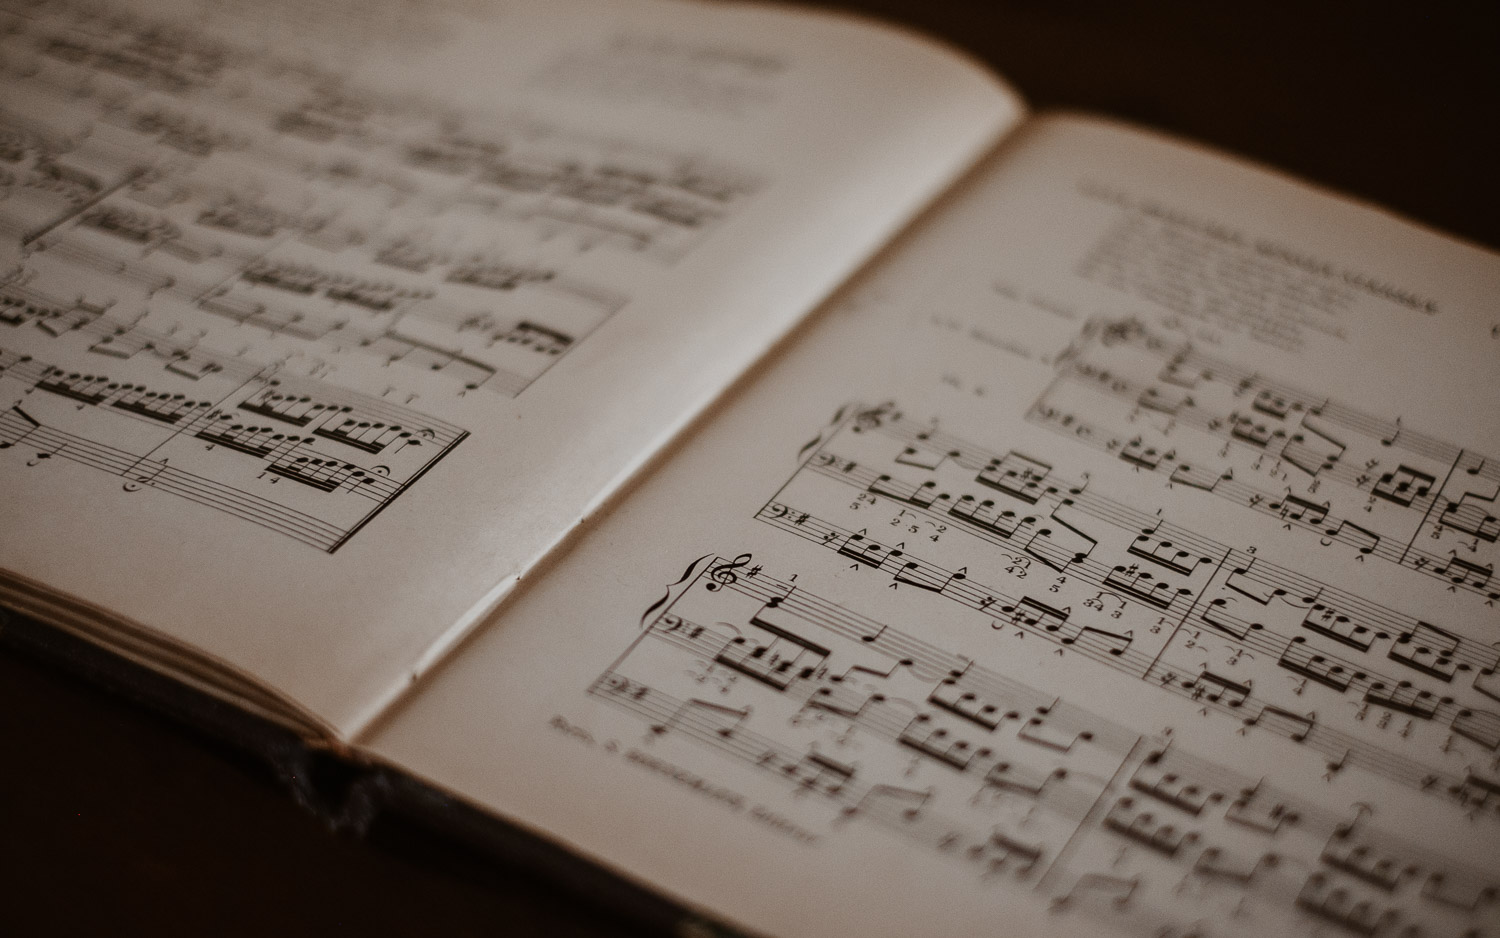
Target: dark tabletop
(116, 819)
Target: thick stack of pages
(559, 405)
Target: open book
(566, 405)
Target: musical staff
(1317, 465)
(1009, 782)
(464, 251)
(1117, 585)
(201, 445)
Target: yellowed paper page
(1116, 558)
(320, 323)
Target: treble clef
(874, 417)
(723, 574)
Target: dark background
(116, 819)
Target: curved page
(1117, 558)
(320, 323)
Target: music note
(1143, 585)
(1350, 853)
(891, 803)
(1216, 689)
(1481, 726)
(260, 442)
(1159, 778)
(769, 654)
(1459, 890)
(84, 388)
(1217, 614)
(1386, 439)
(1402, 697)
(1404, 485)
(1295, 508)
(1467, 572)
(1246, 430)
(1137, 453)
(1428, 649)
(1216, 863)
(538, 338)
(1162, 552)
(1017, 475)
(1060, 544)
(1362, 539)
(326, 475)
(915, 574)
(1203, 479)
(1095, 639)
(1034, 612)
(1479, 790)
(1163, 401)
(703, 717)
(15, 426)
(1273, 404)
(815, 772)
(936, 742)
(1021, 780)
(1174, 372)
(1311, 450)
(1138, 823)
(1487, 680)
(956, 696)
(1298, 658)
(1325, 900)
(1472, 514)
(1044, 729)
(841, 701)
(923, 495)
(867, 552)
(981, 514)
(1256, 588)
(1001, 850)
(1293, 726)
(1099, 887)
(922, 459)
(1256, 810)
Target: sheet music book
(747, 447)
